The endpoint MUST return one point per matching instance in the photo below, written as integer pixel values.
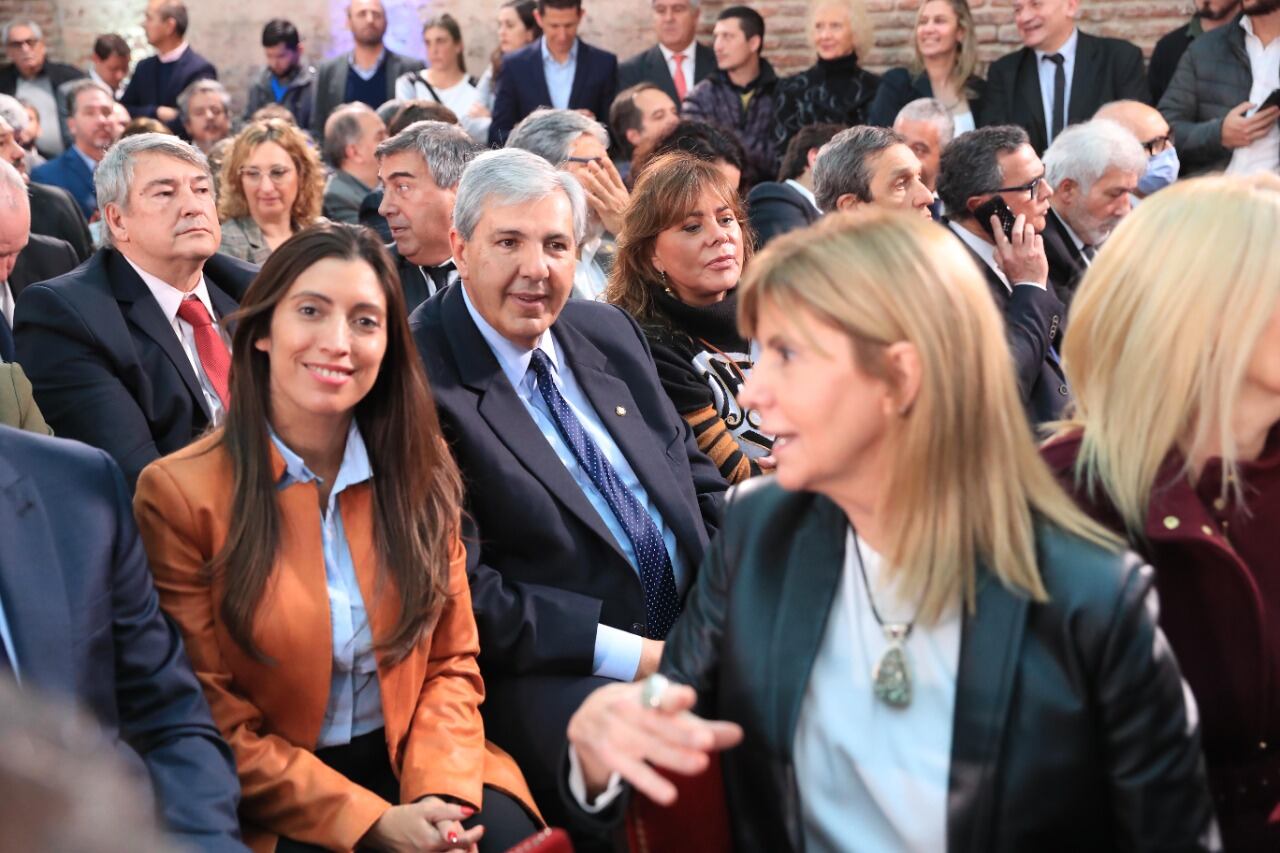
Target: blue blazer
(86, 627)
(145, 91)
(68, 170)
(522, 87)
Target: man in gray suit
(351, 136)
(676, 63)
(368, 73)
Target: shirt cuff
(617, 653)
(578, 787)
(1032, 283)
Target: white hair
(511, 176)
(13, 112)
(932, 111)
(551, 133)
(13, 189)
(1085, 152)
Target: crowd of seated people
(397, 456)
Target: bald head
(1142, 121)
(15, 218)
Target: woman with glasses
(271, 185)
(912, 635)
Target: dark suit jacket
(898, 88)
(1106, 70)
(650, 66)
(107, 368)
(544, 569)
(331, 85)
(1071, 728)
(54, 213)
(774, 208)
(1067, 264)
(146, 92)
(412, 281)
(43, 258)
(522, 88)
(87, 627)
(58, 74)
(68, 171)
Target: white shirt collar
(514, 360)
(667, 53)
(168, 296)
(173, 55)
(1068, 50)
(804, 191)
(984, 250)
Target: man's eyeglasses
(28, 43)
(1160, 143)
(1029, 189)
(275, 173)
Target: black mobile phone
(1273, 100)
(995, 206)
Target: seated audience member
(158, 80)
(420, 168)
(703, 140)
(1092, 168)
(683, 246)
(559, 70)
(993, 162)
(739, 94)
(579, 145)
(928, 127)
(776, 207)
(82, 626)
(373, 740)
(592, 502)
(445, 80)
(868, 165)
(1165, 56)
(639, 117)
(1212, 101)
(517, 27)
(271, 188)
(54, 212)
(286, 81)
(836, 89)
(110, 62)
(1150, 129)
(31, 76)
(124, 351)
(943, 68)
(92, 128)
(677, 62)
(28, 136)
(205, 109)
(274, 111)
(351, 135)
(1060, 75)
(1174, 443)
(910, 632)
(145, 124)
(367, 74)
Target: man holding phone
(994, 189)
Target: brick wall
(227, 31)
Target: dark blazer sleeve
(606, 72)
(144, 78)
(771, 216)
(632, 71)
(163, 712)
(506, 102)
(896, 90)
(1131, 75)
(1164, 60)
(1031, 317)
(997, 101)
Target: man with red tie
(126, 352)
(676, 63)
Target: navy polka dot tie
(661, 601)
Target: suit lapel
(656, 69)
(32, 589)
(990, 645)
(1031, 99)
(81, 172)
(1084, 80)
(704, 62)
(580, 76)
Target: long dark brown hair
(417, 491)
(524, 8)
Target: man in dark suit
(558, 70)
(367, 74)
(676, 63)
(999, 161)
(83, 624)
(592, 503)
(93, 129)
(158, 80)
(124, 352)
(54, 212)
(1209, 15)
(31, 76)
(776, 207)
(1060, 76)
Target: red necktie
(212, 351)
(678, 77)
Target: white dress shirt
(1264, 62)
(6, 302)
(987, 251)
(169, 298)
(1047, 72)
(559, 75)
(686, 64)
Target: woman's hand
(430, 824)
(606, 193)
(613, 732)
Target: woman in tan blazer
(309, 552)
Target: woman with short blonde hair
(918, 639)
(1173, 355)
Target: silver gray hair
(22, 22)
(843, 164)
(932, 111)
(71, 92)
(342, 128)
(114, 175)
(202, 87)
(513, 176)
(13, 189)
(13, 112)
(551, 133)
(445, 148)
(1085, 152)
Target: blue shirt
(355, 701)
(6, 639)
(617, 653)
(559, 75)
(278, 88)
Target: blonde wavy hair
(864, 34)
(966, 51)
(965, 482)
(306, 207)
(1162, 331)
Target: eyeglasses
(277, 174)
(1030, 189)
(28, 43)
(1160, 143)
